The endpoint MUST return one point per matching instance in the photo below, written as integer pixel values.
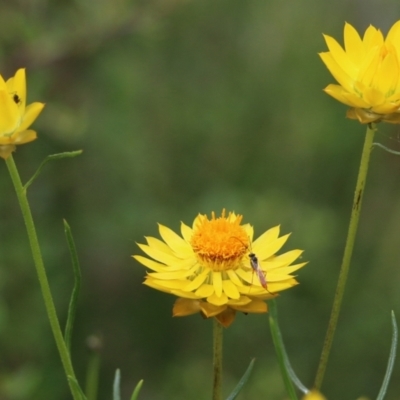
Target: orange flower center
(220, 243)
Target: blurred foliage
(184, 107)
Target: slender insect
(255, 266)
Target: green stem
(41, 272)
(280, 349)
(217, 361)
(351, 235)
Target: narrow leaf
(397, 153)
(280, 348)
(59, 156)
(77, 285)
(116, 385)
(392, 357)
(95, 345)
(242, 381)
(77, 389)
(135, 393)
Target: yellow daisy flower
(15, 116)
(314, 395)
(216, 269)
(368, 73)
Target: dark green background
(184, 107)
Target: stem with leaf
(348, 251)
(43, 281)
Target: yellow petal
(230, 289)
(338, 93)
(340, 57)
(217, 282)
(9, 116)
(242, 301)
(281, 260)
(314, 395)
(199, 280)
(353, 44)
(31, 113)
(338, 73)
(205, 290)
(153, 265)
(217, 300)
(234, 278)
(271, 248)
(174, 241)
(17, 85)
(24, 136)
(187, 232)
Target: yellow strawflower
(15, 116)
(368, 72)
(314, 395)
(209, 267)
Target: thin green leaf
(242, 381)
(74, 383)
(392, 357)
(386, 148)
(116, 385)
(59, 156)
(135, 393)
(280, 348)
(77, 285)
(93, 369)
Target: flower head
(15, 116)
(368, 72)
(314, 395)
(210, 267)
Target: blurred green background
(184, 107)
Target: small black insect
(16, 98)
